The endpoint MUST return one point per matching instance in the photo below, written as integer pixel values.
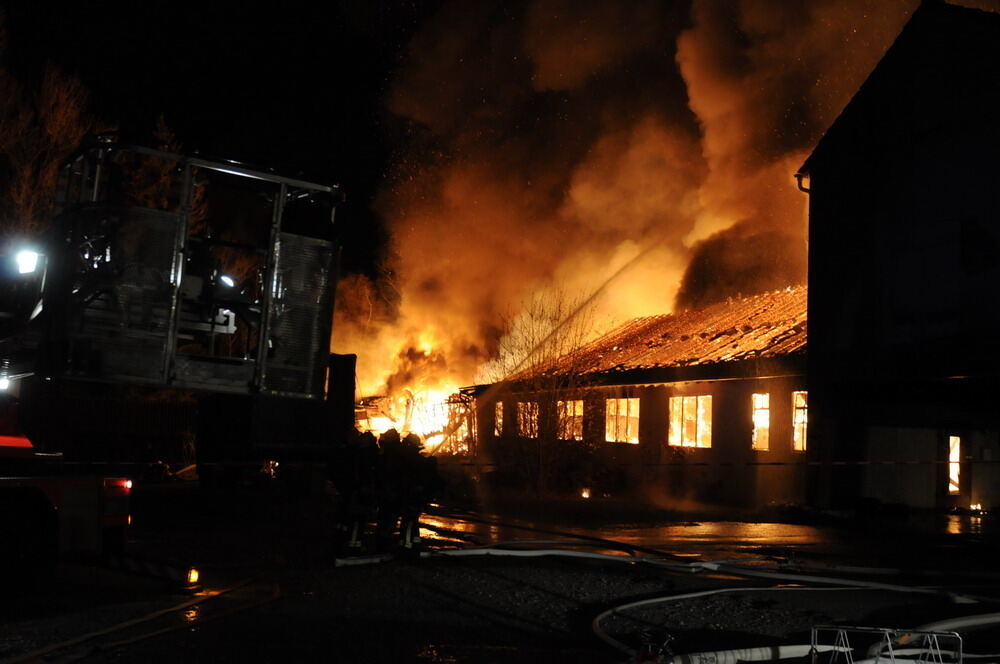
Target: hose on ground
(737, 570)
(622, 647)
(531, 553)
(765, 653)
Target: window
(570, 419)
(954, 464)
(800, 420)
(691, 421)
(622, 421)
(761, 421)
(527, 419)
(498, 419)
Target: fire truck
(137, 287)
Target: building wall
(729, 473)
(904, 254)
(909, 467)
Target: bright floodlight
(4, 383)
(27, 261)
(227, 280)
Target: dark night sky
(297, 89)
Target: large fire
(426, 413)
(641, 151)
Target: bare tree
(538, 373)
(537, 347)
(39, 128)
(152, 182)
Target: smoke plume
(544, 147)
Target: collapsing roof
(766, 326)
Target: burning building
(705, 405)
(904, 265)
(684, 199)
(902, 372)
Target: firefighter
(389, 486)
(410, 490)
(418, 489)
(366, 503)
(352, 470)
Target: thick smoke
(765, 78)
(548, 146)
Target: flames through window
(691, 421)
(761, 404)
(527, 419)
(571, 419)
(954, 464)
(498, 419)
(800, 420)
(622, 421)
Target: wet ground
(273, 591)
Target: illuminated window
(498, 419)
(691, 421)
(800, 420)
(527, 419)
(571, 419)
(761, 421)
(622, 421)
(954, 463)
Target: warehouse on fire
(705, 406)
(904, 364)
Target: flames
(643, 155)
(416, 393)
(426, 413)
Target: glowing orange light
(193, 576)
(424, 412)
(128, 485)
(954, 464)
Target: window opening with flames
(954, 465)
(691, 421)
(527, 419)
(800, 420)
(498, 419)
(622, 421)
(761, 404)
(570, 415)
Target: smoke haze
(543, 146)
